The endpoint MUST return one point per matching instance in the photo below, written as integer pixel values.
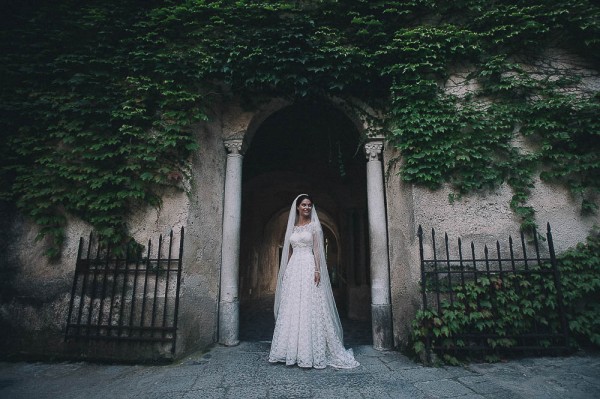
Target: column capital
(374, 148)
(234, 146)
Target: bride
(307, 326)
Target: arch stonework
(207, 289)
(238, 133)
(406, 206)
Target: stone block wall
(482, 218)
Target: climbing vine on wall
(99, 98)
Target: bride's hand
(317, 278)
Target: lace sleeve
(316, 248)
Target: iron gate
(128, 297)
(445, 276)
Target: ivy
(85, 136)
(99, 99)
(580, 268)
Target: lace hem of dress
(347, 361)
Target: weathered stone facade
(234, 227)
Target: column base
(229, 323)
(383, 336)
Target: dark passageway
(305, 148)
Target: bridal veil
(319, 252)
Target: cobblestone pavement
(244, 372)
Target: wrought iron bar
(487, 261)
(155, 300)
(473, 259)
(558, 285)
(536, 246)
(94, 288)
(87, 265)
(179, 269)
(423, 273)
(74, 283)
(164, 322)
(134, 289)
(104, 283)
(450, 289)
(523, 246)
(462, 266)
(499, 257)
(436, 275)
(512, 253)
(143, 316)
(113, 290)
(424, 289)
(123, 291)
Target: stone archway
(303, 148)
(312, 148)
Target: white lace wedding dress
(304, 331)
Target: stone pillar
(381, 308)
(229, 305)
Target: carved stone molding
(234, 146)
(373, 150)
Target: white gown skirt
(304, 332)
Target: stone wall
(33, 314)
(199, 298)
(34, 306)
(481, 218)
(36, 292)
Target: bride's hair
(302, 198)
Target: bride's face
(305, 208)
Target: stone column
(381, 309)
(229, 305)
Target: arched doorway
(304, 148)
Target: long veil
(320, 248)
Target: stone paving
(244, 372)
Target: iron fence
(445, 279)
(128, 296)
